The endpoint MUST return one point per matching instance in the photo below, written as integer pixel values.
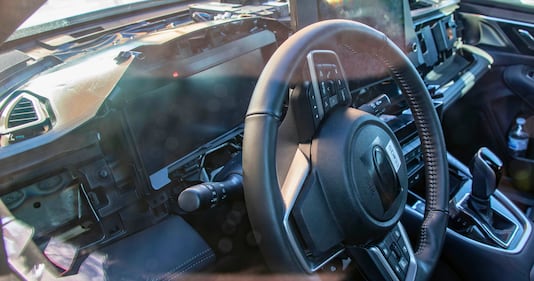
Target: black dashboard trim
(49, 158)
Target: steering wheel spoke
(304, 206)
(297, 174)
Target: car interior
(280, 140)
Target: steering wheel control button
(395, 252)
(327, 80)
(385, 249)
(396, 234)
(403, 263)
(405, 250)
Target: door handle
(526, 37)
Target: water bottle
(518, 138)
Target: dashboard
(115, 136)
(207, 103)
(117, 144)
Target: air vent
(23, 116)
(22, 113)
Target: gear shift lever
(486, 169)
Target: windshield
(56, 14)
(54, 10)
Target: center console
(486, 230)
(480, 240)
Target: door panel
(508, 38)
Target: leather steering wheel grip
(261, 187)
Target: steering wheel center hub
(362, 172)
(386, 184)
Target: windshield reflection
(54, 10)
(57, 14)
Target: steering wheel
(325, 179)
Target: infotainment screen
(386, 16)
(392, 17)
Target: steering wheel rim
(263, 196)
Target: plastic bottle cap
(520, 121)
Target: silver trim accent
(39, 112)
(315, 84)
(499, 20)
(527, 38)
(505, 244)
(526, 34)
(296, 176)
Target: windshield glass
(62, 13)
(54, 10)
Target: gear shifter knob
(486, 168)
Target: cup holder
(521, 169)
